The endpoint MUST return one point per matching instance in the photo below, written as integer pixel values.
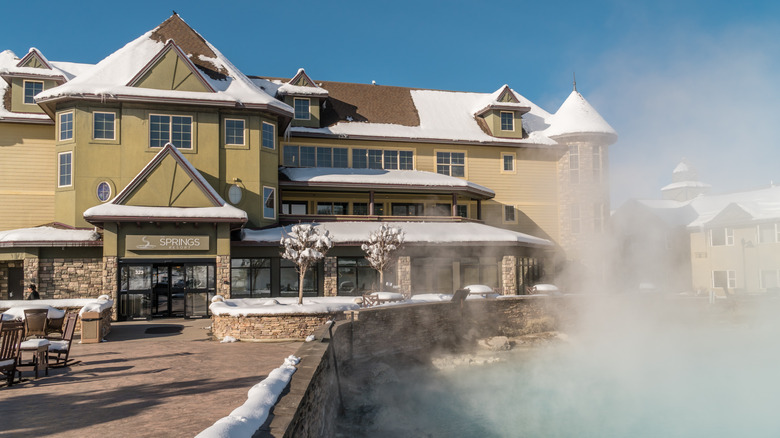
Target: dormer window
(302, 109)
(507, 121)
(31, 88)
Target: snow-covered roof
(577, 116)
(444, 116)
(353, 232)
(48, 236)
(347, 177)
(493, 101)
(758, 205)
(313, 89)
(111, 77)
(686, 184)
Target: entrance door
(168, 285)
(15, 283)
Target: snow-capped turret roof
(577, 116)
(114, 76)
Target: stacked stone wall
(509, 275)
(70, 278)
(330, 268)
(270, 327)
(223, 275)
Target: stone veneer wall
(111, 282)
(223, 275)
(69, 278)
(270, 327)
(404, 275)
(330, 268)
(509, 275)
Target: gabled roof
(301, 85)
(116, 210)
(171, 46)
(24, 68)
(395, 180)
(576, 116)
(32, 56)
(109, 79)
(502, 99)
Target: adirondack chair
(35, 321)
(11, 334)
(59, 349)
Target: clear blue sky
(696, 79)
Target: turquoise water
(682, 382)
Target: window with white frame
(103, 125)
(65, 169)
(597, 163)
(451, 163)
(574, 164)
(269, 203)
(302, 111)
(574, 218)
(66, 126)
(722, 236)
(103, 191)
(767, 233)
(724, 279)
(507, 121)
(176, 130)
(31, 88)
(769, 279)
(234, 132)
(269, 136)
(507, 162)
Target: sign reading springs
(167, 243)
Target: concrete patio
(140, 383)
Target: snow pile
(245, 420)
(17, 312)
(228, 340)
(282, 306)
(48, 234)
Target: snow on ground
(16, 307)
(249, 417)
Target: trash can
(90, 328)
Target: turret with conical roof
(685, 183)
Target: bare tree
(380, 247)
(304, 246)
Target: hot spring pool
(692, 381)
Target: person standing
(32, 293)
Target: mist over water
(627, 370)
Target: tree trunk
(381, 280)
(300, 285)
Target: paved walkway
(140, 384)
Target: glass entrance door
(164, 290)
(168, 286)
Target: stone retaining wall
(270, 327)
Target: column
(110, 283)
(330, 268)
(223, 275)
(404, 275)
(509, 275)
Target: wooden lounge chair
(11, 333)
(59, 349)
(35, 322)
(54, 325)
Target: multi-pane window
(597, 163)
(509, 213)
(103, 191)
(508, 162)
(234, 132)
(31, 88)
(355, 276)
(332, 208)
(406, 209)
(360, 158)
(722, 236)
(360, 208)
(170, 129)
(574, 218)
(768, 233)
(66, 126)
(451, 163)
(507, 121)
(269, 136)
(382, 159)
(462, 210)
(65, 169)
(374, 159)
(724, 279)
(405, 160)
(391, 160)
(103, 126)
(310, 156)
(769, 279)
(574, 163)
(295, 207)
(439, 210)
(269, 203)
(250, 278)
(302, 109)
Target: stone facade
(270, 327)
(223, 275)
(509, 275)
(330, 269)
(111, 281)
(69, 278)
(4, 266)
(31, 273)
(404, 275)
